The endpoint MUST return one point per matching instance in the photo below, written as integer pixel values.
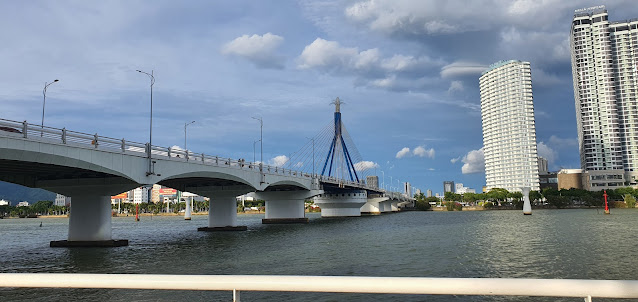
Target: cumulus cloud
(403, 152)
(278, 161)
(454, 160)
(473, 162)
(562, 142)
(370, 67)
(546, 152)
(420, 151)
(260, 50)
(365, 165)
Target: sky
(407, 72)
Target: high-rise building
(448, 186)
(138, 195)
(542, 166)
(407, 189)
(605, 76)
(428, 193)
(509, 131)
(372, 181)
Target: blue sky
(407, 71)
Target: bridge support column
(343, 204)
(373, 206)
(394, 206)
(285, 206)
(90, 223)
(90, 216)
(386, 206)
(222, 214)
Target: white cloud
(279, 161)
(431, 169)
(422, 152)
(403, 152)
(454, 160)
(461, 68)
(455, 86)
(474, 162)
(260, 50)
(365, 165)
(546, 152)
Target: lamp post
(261, 140)
(44, 100)
(150, 138)
(383, 180)
(254, 149)
(185, 125)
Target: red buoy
(606, 205)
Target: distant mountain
(16, 193)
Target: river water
(574, 244)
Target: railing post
(24, 129)
(95, 140)
(169, 152)
(236, 295)
(186, 155)
(216, 160)
(123, 145)
(202, 158)
(588, 299)
(64, 135)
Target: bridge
(91, 168)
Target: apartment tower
(604, 58)
(509, 131)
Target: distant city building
(4, 202)
(428, 193)
(373, 181)
(460, 189)
(509, 132)
(548, 180)
(61, 200)
(139, 195)
(605, 77)
(417, 192)
(448, 186)
(542, 166)
(570, 179)
(407, 189)
(23, 204)
(155, 193)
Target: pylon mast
(339, 144)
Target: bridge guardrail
(65, 136)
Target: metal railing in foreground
(333, 284)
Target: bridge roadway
(91, 168)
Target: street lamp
(261, 140)
(150, 138)
(383, 181)
(254, 149)
(185, 125)
(44, 100)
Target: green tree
(558, 201)
(630, 200)
(421, 202)
(497, 194)
(535, 196)
(449, 196)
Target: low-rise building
(548, 180)
(570, 178)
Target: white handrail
(334, 284)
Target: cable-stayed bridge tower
(339, 150)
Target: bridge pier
(285, 206)
(222, 211)
(394, 206)
(90, 215)
(346, 203)
(386, 206)
(373, 206)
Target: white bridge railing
(333, 284)
(85, 140)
